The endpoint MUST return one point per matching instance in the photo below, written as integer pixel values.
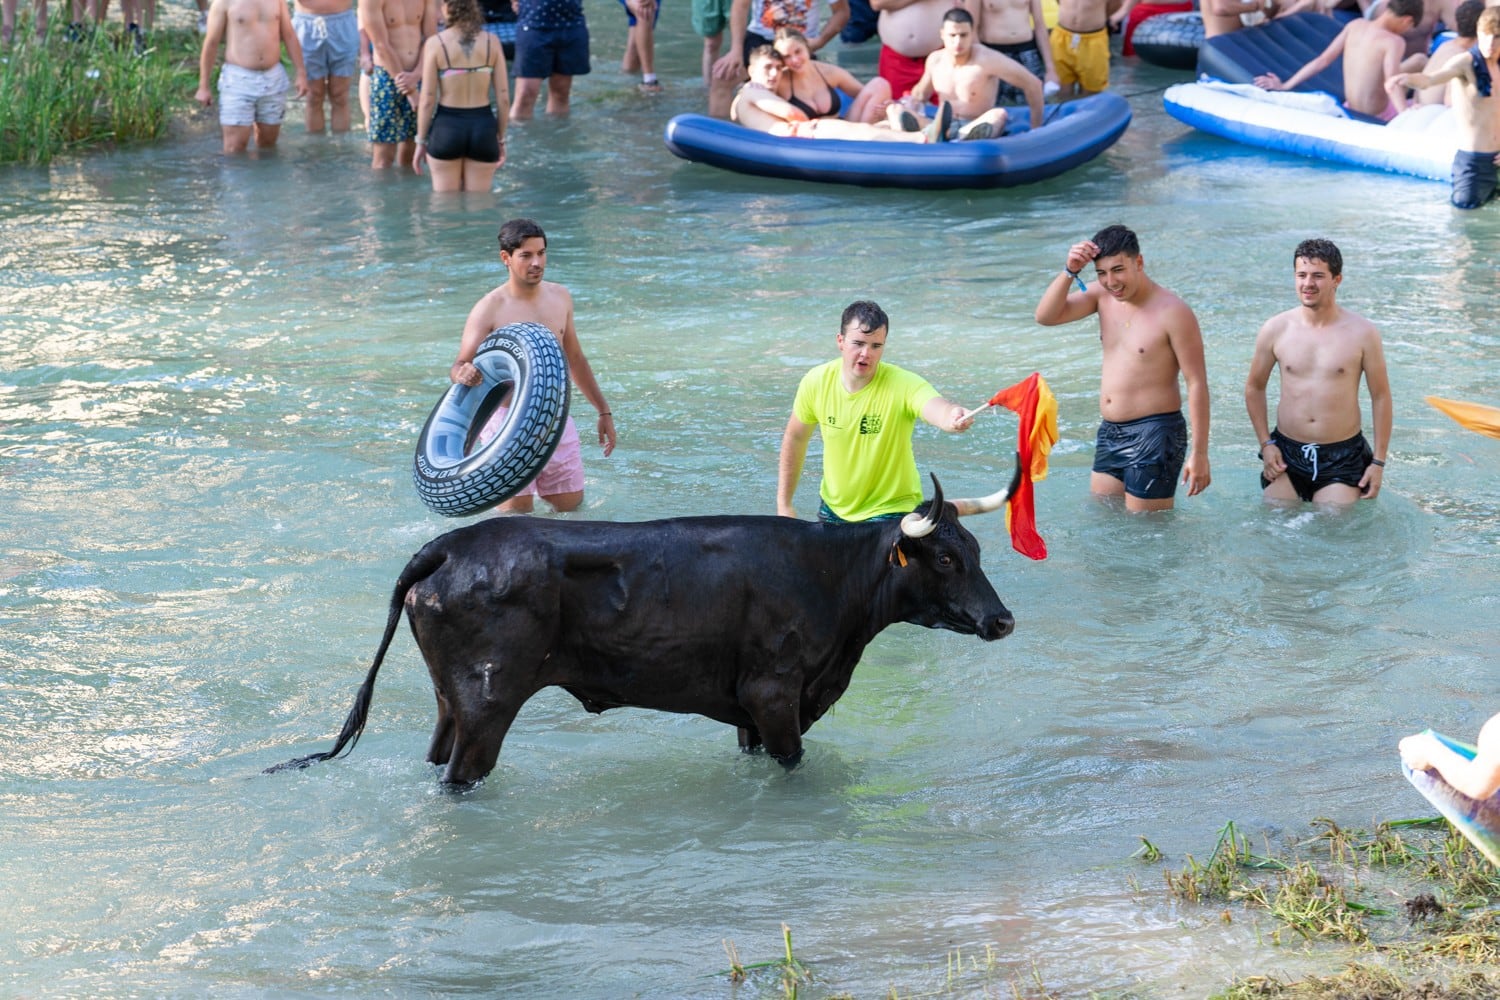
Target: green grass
(1339, 885)
(63, 95)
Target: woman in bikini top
(459, 136)
(816, 88)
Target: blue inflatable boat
(1310, 121)
(1073, 133)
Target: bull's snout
(997, 627)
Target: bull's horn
(915, 525)
(983, 505)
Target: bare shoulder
(1171, 306)
(491, 307)
(1360, 326)
(557, 293)
(1272, 330)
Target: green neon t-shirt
(868, 465)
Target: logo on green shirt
(869, 423)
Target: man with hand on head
(1150, 337)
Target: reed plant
(77, 89)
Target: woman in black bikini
(815, 87)
(459, 135)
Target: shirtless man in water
(1471, 78)
(397, 29)
(252, 84)
(1150, 336)
(1372, 52)
(910, 31)
(329, 35)
(1016, 28)
(1080, 46)
(1317, 451)
(524, 298)
(967, 78)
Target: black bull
(754, 621)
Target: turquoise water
(212, 375)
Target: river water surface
(212, 375)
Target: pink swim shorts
(563, 472)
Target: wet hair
(1323, 250)
(958, 16)
(466, 16)
(1116, 239)
(518, 231)
(1405, 8)
(865, 315)
(792, 35)
(1489, 22)
(1467, 17)
(767, 52)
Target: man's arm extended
(794, 441)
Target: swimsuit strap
(452, 70)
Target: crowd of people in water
(439, 92)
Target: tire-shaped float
(1170, 40)
(522, 361)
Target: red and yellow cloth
(1032, 401)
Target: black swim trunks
(1474, 178)
(1310, 467)
(1027, 54)
(1146, 453)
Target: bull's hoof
(755, 749)
(458, 786)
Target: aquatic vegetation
(1325, 887)
(1364, 982)
(790, 972)
(90, 88)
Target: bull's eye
(944, 559)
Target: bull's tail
(423, 565)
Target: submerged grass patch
(1338, 885)
(84, 88)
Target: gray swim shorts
(330, 43)
(252, 96)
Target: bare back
(1371, 55)
(1140, 368)
(1321, 366)
(1441, 56)
(467, 88)
(252, 35)
(914, 30)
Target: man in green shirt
(867, 411)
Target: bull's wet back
(213, 378)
